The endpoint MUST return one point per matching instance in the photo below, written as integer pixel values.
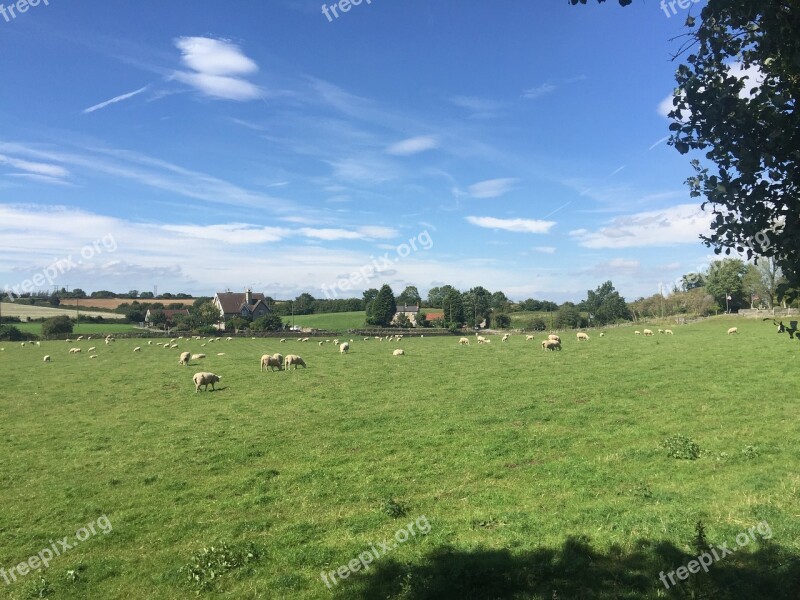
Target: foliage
(304, 304)
(477, 305)
(503, 321)
(393, 508)
(57, 325)
(538, 305)
(270, 322)
(437, 295)
(237, 323)
(409, 296)
(383, 308)
(11, 333)
(206, 567)
(606, 305)
(537, 324)
(422, 320)
(682, 447)
(207, 313)
(744, 120)
(726, 278)
(568, 316)
(158, 318)
(453, 307)
(403, 321)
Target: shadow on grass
(576, 571)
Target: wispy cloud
(515, 225)
(114, 100)
(491, 188)
(36, 168)
(217, 68)
(539, 91)
(615, 171)
(413, 145)
(545, 249)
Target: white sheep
(283, 340)
(40, 343)
(220, 354)
(528, 338)
(398, 352)
(270, 361)
(551, 345)
(505, 337)
(137, 349)
(336, 341)
(660, 331)
(92, 349)
(174, 346)
(22, 344)
(278, 356)
(464, 341)
(733, 330)
(293, 359)
(198, 356)
(185, 357)
(321, 343)
(668, 332)
(46, 358)
(647, 332)
(602, 334)
(149, 342)
(205, 379)
(344, 348)
(637, 333)
(582, 337)
(93, 356)
(554, 337)
(366, 339)
(74, 350)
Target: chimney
(248, 296)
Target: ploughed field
(540, 474)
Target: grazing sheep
(299, 339)
(554, 338)
(92, 349)
(149, 342)
(551, 345)
(398, 352)
(647, 332)
(660, 331)
(198, 356)
(505, 338)
(464, 341)
(202, 345)
(582, 337)
(637, 333)
(79, 338)
(22, 344)
(74, 350)
(174, 346)
(321, 343)
(305, 339)
(46, 358)
(137, 349)
(220, 354)
(278, 356)
(481, 339)
(528, 338)
(271, 362)
(185, 357)
(67, 340)
(93, 356)
(336, 341)
(602, 334)
(668, 332)
(366, 339)
(344, 348)
(733, 330)
(40, 343)
(229, 338)
(205, 379)
(293, 359)
(283, 340)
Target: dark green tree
(436, 295)
(726, 278)
(453, 307)
(568, 316)
(605, 305)
(383, 308)
(56, 325)
(270, 322)
(409, 296)
(158, 318)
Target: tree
(691, 281)
(383, 308)
(605, 305)
(158, 318)
(403, 321)
(304, 304)
(771, 278)
(133, 294)
(237, 323)
(477, 305)
(503, 321)
(744, 119)
(568, 316)
(499, 301)
(725, 282)
(103, 294)
(453, 308)
(146, 295)
(207, 314)
(270, 322)
(56, 325)
(409, 296)
(54, 300)
(436, 295)
(10, 333)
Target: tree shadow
(576, 571)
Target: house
(168, 312)
(235, 304)
(435, 316)
(409, 311)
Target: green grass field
(13, 309)
(330, 321)
(82, 328)
(540, 474)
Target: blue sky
(264, 144)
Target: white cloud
(413, 145)
(680, 224)
(217, 68)
(545, 249)
(230, 233)
(361, 233)
(491, 188)
(114, 100)
(36, 168)
(516, 225)
(539, 91)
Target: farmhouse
(169, 313)
(236, 304)
(410, 312)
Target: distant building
(168, 312)
(409, 311)
(240, 304)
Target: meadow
(330, 321)
(541, 475)
(23, 311)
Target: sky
(196, 146)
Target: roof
(434, 316)
(232, 302)
(169, 312)
(408, 309)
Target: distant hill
(23, 311)
(112, 303)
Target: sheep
(40, 343)
(269, 361)
(464, 341)
(344, 348)
(74, 350)
(93, 356)
(660, 331)
(174, 346)
(481, 339)
(351, 340)
(67, 340)
(198, 356)
(185, 357)
(305, 339)
(336, 341)
(46, 358)
(205, 379)
(398, 352)
(637, 333)
(505, 338)
(202, 345)
(22, 344)
(149, 342)
(668, 332)
(92, 349)
(528, 338)
(220, 354)
(79, 338)
(278, 356)
(733, 330)
(321, 343)
(293, 359)
(366, 339)
(602, 334)
(647, 332)
(229, 338)
(299, 339)
(554, 338)
(582, 337)
(283, 340)
(551, 345)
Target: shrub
(56, 325)
(270, 322)
(205, 567)
(681, 447)
(393, 508)
(503, 321)
(10, 333)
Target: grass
(330, 321)
(541, 474)
(82, 328)
(23, 311)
